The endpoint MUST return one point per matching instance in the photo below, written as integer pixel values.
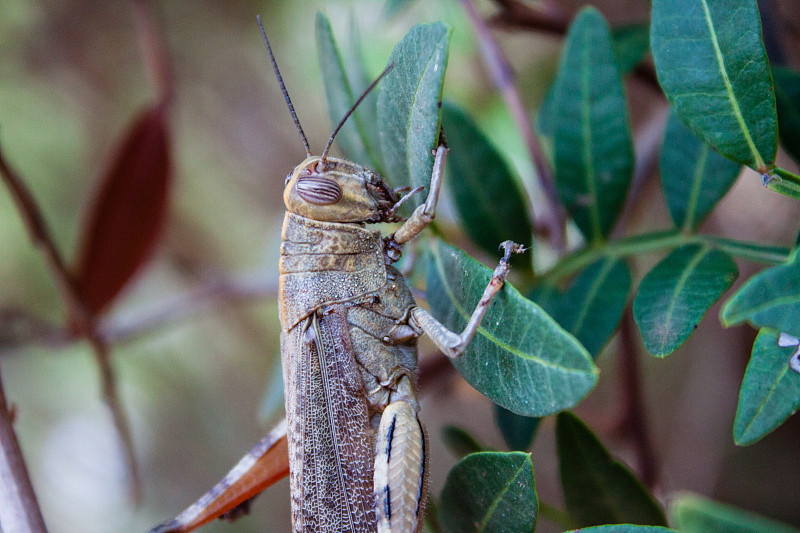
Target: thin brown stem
(34, 221)
(80, 318)
(153, 50)
(517, 15)
(211, 294)
(634, 420)
(110, 392)
(19, 509)
(502, 77)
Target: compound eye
(318, 190)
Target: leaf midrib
(737, 112)
(490, 512)
(684, 278)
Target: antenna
(283, 87)
(389, 67)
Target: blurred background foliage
(200, 390)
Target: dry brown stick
(79, 316)
(19, 509)
(502, 77)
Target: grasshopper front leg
(453, 344)
(425, 213)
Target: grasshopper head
(335, 190)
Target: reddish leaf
(128, 213)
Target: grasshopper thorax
(336, 190)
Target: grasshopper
(357, 450)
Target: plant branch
(19, 509)
(634, 421)
(210, 295)
(517, 15)
(78, 314)
(153, 50)
(662, 240)
(502, 77)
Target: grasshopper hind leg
(401, 470)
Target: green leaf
(591, 136)
(393, 8)
(787, 97)
(409, 104)
(770, 390)
(597, 489)
(460, 442)
(630, 45)
(675, 295)
(518, 431)
(770, 299)
(490, 492)
(548, 296)
(711, 63)
(694, 177)
(782, 181)
(487, 197)
(694, 514)
(360, 78)
(593, 305)
(520, 357)
(623, 528)
(353, 138)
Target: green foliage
(460, 442)
(409, 106)
(486, 194)
(711, 63)
(593, 305)
(694, 177)
(490, 492)
(770, 390)
(354, 138)
(695, 514)
(593, 151)
(597, 489)
(517, 431)
(622, 528)
(771, 299)
(520, 358)
(630, 45)
(676, 294)
(787, 97)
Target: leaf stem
(658, 241)
(784, 182)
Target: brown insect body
(357, 450)
(348, 351)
